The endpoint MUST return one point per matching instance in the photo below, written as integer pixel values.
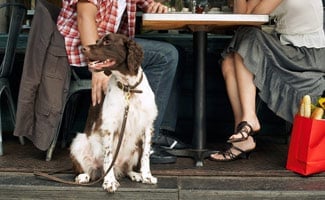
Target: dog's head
(126, 53)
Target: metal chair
(17, 13)
(76, 85)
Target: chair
(17, 13)
(76, 85)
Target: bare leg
(247, 94)
(242, 93)
(228, 72)
(241, 90)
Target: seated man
(82, 22)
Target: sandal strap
(228, 155)
(241, 125)
(238, 149)
(243, 130)
(244, 125)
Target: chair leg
(1, 148)
(50, 151)
(68, 118)
(13, 113)
(53, 144)
(22, 140)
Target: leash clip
(127, 94)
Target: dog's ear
(135, 55)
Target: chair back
(17, 13)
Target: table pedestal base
(196, 154)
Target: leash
(126, 111)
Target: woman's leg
(228, 72)
(241, 92)
(247, 96)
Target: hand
(156, 7)
(99, 82)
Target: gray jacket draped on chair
(45, 80)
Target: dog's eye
(106, 42)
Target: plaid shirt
(106, 19)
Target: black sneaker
(166, 141)
(160, 156)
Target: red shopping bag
(306, 153)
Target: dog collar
(130, 88)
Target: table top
(167, 21)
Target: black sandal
(228, 155)
(245, 130)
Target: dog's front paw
(149, 179)
(82, 178)
(134, 176)
(111, 186)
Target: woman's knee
(227, 66)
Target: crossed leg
(242, 93)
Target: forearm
(240, 6)
(255, 6)
(87, 26)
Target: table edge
(204, 17)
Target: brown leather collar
(130, 88)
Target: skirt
(283, 74)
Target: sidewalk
(263, 176)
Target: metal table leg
(199, 136)
(199, 151)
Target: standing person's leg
(160, 66)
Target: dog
(92, 152)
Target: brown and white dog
(92, 152)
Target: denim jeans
(160, 66)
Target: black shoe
(166, 141)
(160, 156)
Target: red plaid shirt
(106, 19)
